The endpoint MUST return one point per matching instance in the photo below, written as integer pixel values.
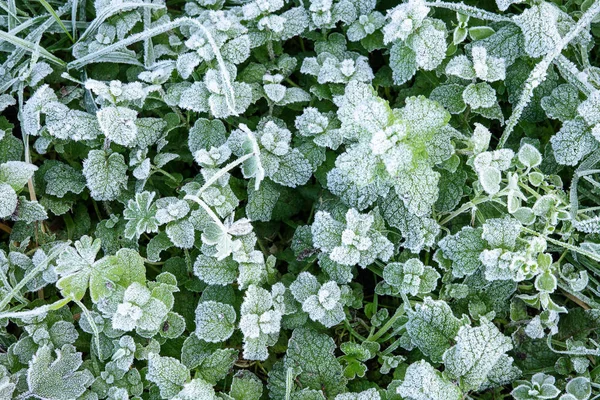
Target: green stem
(399, 312)
(353, 332)
(165, 173)
(31, 274)
(564, 245)
(464, 208)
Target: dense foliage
(299, 199)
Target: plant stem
(399, 312)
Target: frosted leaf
(481, 138)
(326, 231)
(369, 394)
(16, 173)
(479, 95)
(314, 353)
(541, 385)
(29, 211)
(423, 382)
(418, 189)
(149, 132)
(215, 322)
(65, 123)
(261, 202)
(490, 178)
(487, 68)
(294, 169)
(170, 209)
(196, 389)
(252, 271)
(589, 110)
(356, 244)
(140, 310)
(236, 50)
(195, 98)
(507, 43)
(256, 301)
(403, 62)
(118, 124)
(562, 103)
(206, 134)
(168, 374)
(578, 388)
(529, 156)
(429, 44)
(187, 63)
(411, 277)
(418, 232)
(304, 286)
(105, 174)
(423, 117)
(498, 159)
(540, 28)
(245, 386)
(8, 200)
(62, 178)
(432, 327)
(501, 232)
(573, 142)
(450, 97)
(296, 21)
(6, 100)
(294, 95)
(463, 250)
(78, 269)
(476, 352)
(181, 233)
(33, 107)
(57, 377)
(142, 171)
(461, 66)
(325, 306)
(274, 91)
(140, 214)
(215, 272)
(365, 25)
(404, 20)
(504, 4)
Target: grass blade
(31, 47)
(49, 8)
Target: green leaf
(105, 174)
(216, 272)
(573, 142)
(78, 270)
(16, 173)
(463, 249)
(476, 352)
(423, 382)
(8, 200)
(62, 179)
(140, 215)
(245, 386)
(312, 354)
(168, 374)
(118, 124)
(59, 377)
(403, 62)
(562, 103)
(432, 327)
(215, 322)
(479, 95)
